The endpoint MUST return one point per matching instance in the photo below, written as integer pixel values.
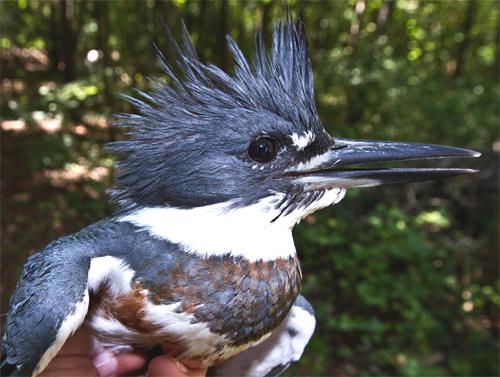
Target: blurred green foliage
(404, 279)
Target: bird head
(204, 137)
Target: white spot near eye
(316, 162)
(302, 141)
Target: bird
(215, 171)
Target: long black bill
(333, 168)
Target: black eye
(263, 149)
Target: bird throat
(220, 229)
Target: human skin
(74, 360)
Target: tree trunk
(497, 45)
(265, 23)
(54, 40)
(463, 46)
(202, 31)
(355, 109)
(224, 30)
(356, 22)
(68, 40)
(102, 12)
(384, 14)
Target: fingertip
(105, 363)
(163, 366)
(129, 362)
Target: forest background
(404, 279)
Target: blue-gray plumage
(199, 257)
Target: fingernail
(181, 367)
(105, 363)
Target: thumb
(163, 366)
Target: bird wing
(50, 302)
(279, 351)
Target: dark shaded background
(404, 279)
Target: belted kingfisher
(199, 257)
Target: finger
(68, 366)
(128, 363)
(163, 366)
(197, 372)
(106, 363)
(75, 372)
(69, 362)
(77, 345)
(72, 359)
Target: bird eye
(263, 149)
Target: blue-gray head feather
(188, 144)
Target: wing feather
(284, 347)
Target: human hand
(74, 360)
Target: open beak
(334, 167)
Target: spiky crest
(279, 82)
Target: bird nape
(199, 257)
